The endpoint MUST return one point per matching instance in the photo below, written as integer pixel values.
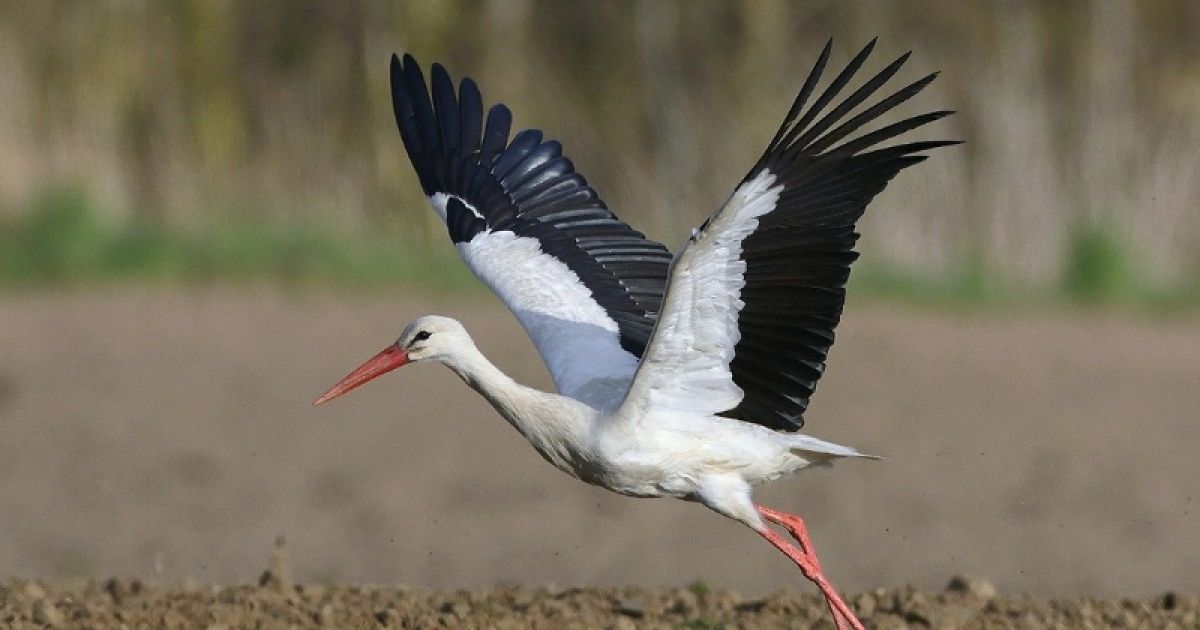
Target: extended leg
(806, 559)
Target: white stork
(683, 376)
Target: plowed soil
(131, 604)
(167, 437)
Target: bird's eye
(421, 336)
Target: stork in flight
(682, 376)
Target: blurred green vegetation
(223, 141)
(702, 623)
(1097, 267)
(1097, 274)
(62, 242)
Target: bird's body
(626, 450)
(679, 376)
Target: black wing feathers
(527, 187)
(798, 259)
(495, 135)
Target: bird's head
(429, 338)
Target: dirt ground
(167, 437)
(967, 604)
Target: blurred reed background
(133, 129)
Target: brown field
(123, 604)
(167, 436)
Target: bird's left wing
(585, 286)
(754, 296)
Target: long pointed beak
(389, 359)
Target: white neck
(555, 425)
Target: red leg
(795, 526)
(806, 559)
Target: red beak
(391, 358)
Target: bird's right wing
(585, 286)
(755, 294)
